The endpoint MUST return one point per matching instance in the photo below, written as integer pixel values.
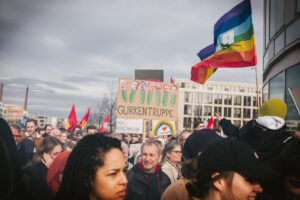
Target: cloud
(74, 51)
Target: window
(227, 112)
(265, 95)
(292, 32)
(237, 100)
(227, 99)
(187, 122)
(276, 87)
(218, 99)
(208, 98)
(267, 57)
(298, 6)
(187, 109)
(197, 110)
(254, 101)
(279, 43)
(292, 81)
(276, 17)
(182, 85)
(254, 114)
(188, 97)
(218, 110)
(207, 110)
(246, 113)
(227, 88)
(196, 95)
(247, 101)
(237, 113)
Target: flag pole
(257, 91)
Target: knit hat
(273, 107)
(196, 142)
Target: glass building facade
(236, 102)
(281, 59)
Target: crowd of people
(260, 160)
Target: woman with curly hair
(95, 170)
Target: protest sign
(162, 127)
(138, 99)
(129, 126)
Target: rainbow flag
(234, 43)
(205, 73)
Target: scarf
(177, 167)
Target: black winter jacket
(38, 181)
(144, 186)
(266, 143)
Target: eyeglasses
(178, 152)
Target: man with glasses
(16, 131)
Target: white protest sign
(134, 148)
(129, 126)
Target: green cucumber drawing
(165, 99)
(157, 98)
(124, 95)
(132, 95)
(149, 97)
(142, 97)
(173, 100)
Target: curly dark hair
(82, 164)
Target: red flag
(171, 80)
(211, 124)
(84, 120)
(105, 124)
(72, 120)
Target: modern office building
(56, 122)
(234, 101)
(281, 68)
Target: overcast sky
(74, 51)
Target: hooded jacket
(145, 186)
(267, 142)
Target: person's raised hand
(47, 160)
(218, 117)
